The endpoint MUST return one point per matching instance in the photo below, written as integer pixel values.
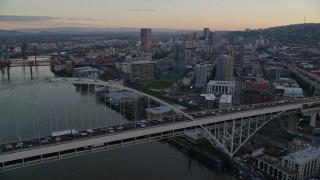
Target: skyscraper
(195, 37)
(206, 33)
(201, 75)
(224, 70)
(146, 39)
(179, 59)
(212, 38)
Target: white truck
(64, 132)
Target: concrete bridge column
(292, 123)
(8, 73)
(313, 114)
(316, 92)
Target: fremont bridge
(226, 129)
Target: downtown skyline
(171, 14)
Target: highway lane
(102, 131)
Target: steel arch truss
(230, 135)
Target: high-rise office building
(201, 75)
(195, 37)
(212, 38)
(146, 40)
(224, 70)
(179, 59)
(206, 33)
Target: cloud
(11, 18)
(142, 10)
(82, 19)
(14, 18)
(158, 0)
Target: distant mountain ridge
(95, 30)
(10, 32)
(76, 30)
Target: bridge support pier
(31, 73)
(292, 121)
(313, 117)
(8, 73)
(316, 92)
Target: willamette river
(31, 109)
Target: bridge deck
(136, 132)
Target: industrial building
(86, 72)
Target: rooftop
(163, 109)
(220, 82)
(303, 156)
(142, 62)
(209, 97)
(226, 98)
(123, 95)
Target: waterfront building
(273, 166)
(305, 162)
(86, 72)
(194, 136)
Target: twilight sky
(175, 14)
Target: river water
(35, 108)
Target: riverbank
(204, 154)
